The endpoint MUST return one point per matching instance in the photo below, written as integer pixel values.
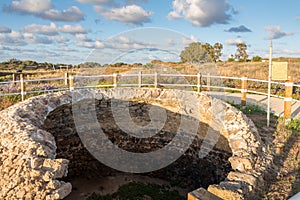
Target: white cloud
(123, 42)
(170, 42)
(120, 40)
(132, 14)
(127, 2)
(82, 37)
(31, 34)
(76, 29)
(34, 39)
(13, 39)
(98, 44)
(41, 29)
(188, 40)
(10, 49)
(202, 12)
(29, 6)
(72, 14)
(288, 52)
(174, 15)
(4, 29)
(274, 32)
(53, 29)
(15, 35)
(98, 2)
(59, 38)
(43, 9)
(234, 42)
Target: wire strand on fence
(43, 80)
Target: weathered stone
(237, 176)
(238, 143)
(240, 164)
(225, 193)
(64, 190)
(202, 194)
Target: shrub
(249, 109)
(295, 126)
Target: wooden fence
(200, 82)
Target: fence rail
(199, 82)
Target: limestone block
(59, 167)
(225, 193)
(20, 193)
(36, 162)
(48, 176)
(247, 178)
(61, 193)
(53, 184)
(240, 164)
(202, 194)
(237, 143)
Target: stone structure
(32, 161)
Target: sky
(104, 31)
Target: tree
(241, 52)
(218, 47)
(209, 49)
(257, 59)
(197, 52)
(215, 52)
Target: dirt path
(285, 147)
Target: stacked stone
(28, 166)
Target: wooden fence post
(288, 98)
(14, 78)
(23, 87)
(208, 82)
(199, 82)
(115, 80)
(140, 80)
(244, 91)
(66, 78)
(155, 79)
(71, 83)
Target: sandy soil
(84, 187)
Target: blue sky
(75, 31)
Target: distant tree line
(197, 52)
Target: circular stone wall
(188, 170)
(32, 163)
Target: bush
(295, 126)
(250, 109)
(230, 60)
(257, 59)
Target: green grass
(294, 125)
(139, 191)
(249, 109)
